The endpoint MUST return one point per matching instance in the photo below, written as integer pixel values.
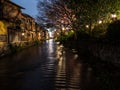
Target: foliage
(37, 42)
(14, 47)
(77, 14)
(113, 31)
(65, 37)
(88, 12)
(54, 14)
(99, 31)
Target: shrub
(113, 31)
(82, 35)
(37, 42)
(99, 31)
(15, 47)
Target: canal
(51, 66)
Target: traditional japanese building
(28, 28)
(10, 20)
(17, 28)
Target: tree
(55, 12)
(88, 12)
(78, 14)
(113, 31)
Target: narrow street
(52, 67)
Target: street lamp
(23, 34)
(87, 26)
(63, 28)
(39, 33)
(100, 22)
(113, 16)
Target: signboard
(3, 38)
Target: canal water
(51, 66)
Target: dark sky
(29, 5)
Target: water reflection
(51, 46)
(73, 73)
(53, 67)
(68, 71)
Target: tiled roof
(15, 4)
(27, 15)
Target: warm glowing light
(58, 33)
(73, 17)
(72, 31)
(87, 26)
(23, 34)
(100, 22)
(113, 15)
(63, 28)
(62, 21)
(2, 28)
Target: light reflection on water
(68, 71)
(51, 46)
(74, 73)
(40, 68)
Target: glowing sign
(2, 28)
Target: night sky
(29, 5)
